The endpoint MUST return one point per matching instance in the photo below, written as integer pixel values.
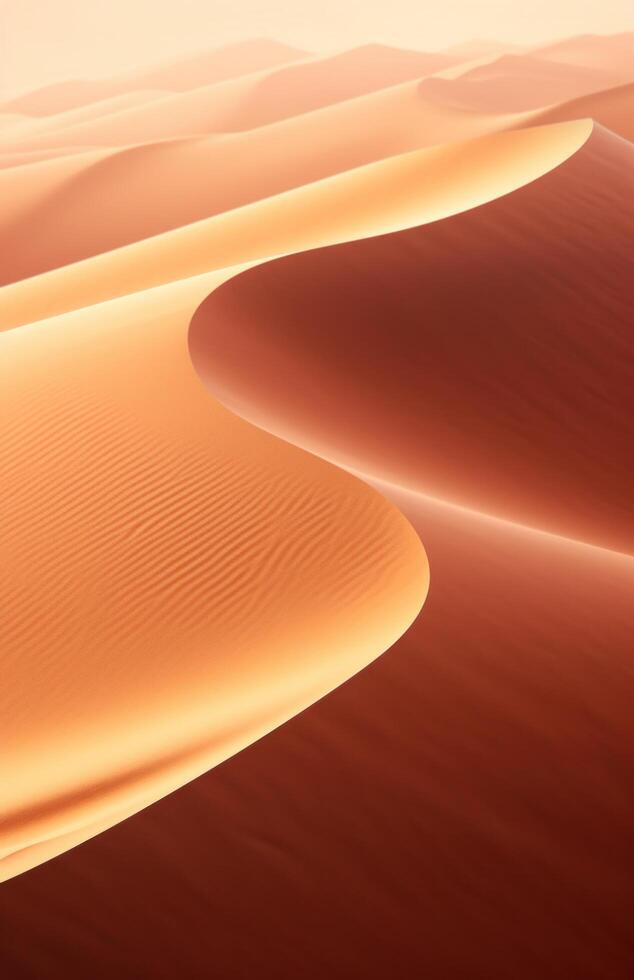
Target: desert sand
(288, 338)
(479, 407)
(142, 538)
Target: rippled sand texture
(176, 581)
(270, 319)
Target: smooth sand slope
(39, 132)
(612, 52)
(516, 83)
(486, 358)
(125, 197)
(613, 108)
(175, 582)
(241, 103)
(20, 159)
(406, 190)
(193, 113)
(460, 809)
(299, 88)
(97, 201)
(204, 69)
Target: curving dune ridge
(404, 190)
(491, 352)
(418, 268)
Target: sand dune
(204, 69)
(516, 83)
(612, 52)
(33, 132)
(217, 65)
(21, 158)
(400, 192)
(470, 50)
(197, 112)
(311, 85)
(179, 582)
(463, 784)
(490, 352)
(61, 97)
(26, 190)
(246, 102)
(421, 286)
(122, 198)
(613, 108)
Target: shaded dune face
(176, 582)
(486, 358)
(474, 782)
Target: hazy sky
(51, 40)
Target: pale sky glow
(45, 41)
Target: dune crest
(483, 372)
(410, 189)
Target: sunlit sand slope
(175, 582)
(405, 190)
(116, 197)
(476, 778)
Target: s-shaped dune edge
(214, 579)
(469, 356)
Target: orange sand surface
(285, 336)
(165, 565)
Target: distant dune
(40, 132)
(204, 69)
(516, 83)
(402, 191)
(314, 84)
(612, 52)
(247, 102)
(120, 197)
(613, 108)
